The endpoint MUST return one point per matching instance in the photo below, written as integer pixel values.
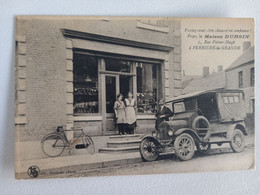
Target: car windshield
(184, 106)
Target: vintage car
(199, 120)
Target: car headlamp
(154, 133)
(170, 132)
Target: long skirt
(130, 128)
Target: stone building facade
(69, 71)
(241, 75)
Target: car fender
(232, 128)
(189, 131)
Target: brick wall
(45, 91)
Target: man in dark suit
(162, 114)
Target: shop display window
(117, 65)
(147, 84)
(85, 81)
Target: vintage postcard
(98, 96)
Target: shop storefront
(100, 75)
(98, 79)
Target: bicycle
(54, 144)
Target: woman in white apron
(130, 118)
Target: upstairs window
(252, 77)
(240, 79)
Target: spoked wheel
(238, 141)
(184, 146)
(203, 148)
(89, 144)
(149, 149)
(53, 145)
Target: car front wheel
(149, 149)
(238, 141)
(184, 146)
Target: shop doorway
(111, 93)
(113, 85)
(125, 83)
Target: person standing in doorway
(119, 108)
(162, 114)
(130, 113)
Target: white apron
(130, 111)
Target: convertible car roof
(198, 93)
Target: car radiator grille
(163, 135)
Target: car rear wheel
(203, 148)
(149, 149)
(238, 141)
(184, 146)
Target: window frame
(99, 91)
(102, 70)
(252, 76)
(159, 85)
(240, 79)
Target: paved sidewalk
(73, 163)
(70, 164)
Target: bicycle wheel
(53, 145)
(89, 144)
